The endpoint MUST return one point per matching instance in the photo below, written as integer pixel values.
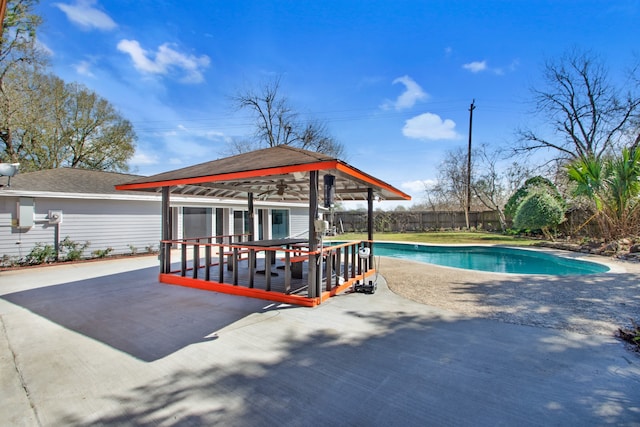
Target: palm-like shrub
(612, 186)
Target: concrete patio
(103, 343)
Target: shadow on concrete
(587, 304)
(597, 303)
(415, 370)
(356, 360)
(136, 314)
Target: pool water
(490, 258)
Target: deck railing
(221, 240)
(217, 260)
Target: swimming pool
(490, 258)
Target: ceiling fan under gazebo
(278, 189)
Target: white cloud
(430, 126)
(181, 142)
(140, 159)
(417, 186)
(85, 15)
(165, 59)
(483, 66)
(476, 66)
(84, 68)
(407, 99)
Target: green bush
(73, 250)
(537, 183)
(101, 253)
(539, 211)
(41, 254)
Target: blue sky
(393, 80)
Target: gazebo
(282, 173)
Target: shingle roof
(279, 156)
(263, 173)
(68, 180)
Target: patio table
(269, 255)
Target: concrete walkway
(103, 343)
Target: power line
(225, 120)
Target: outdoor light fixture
(329, 190)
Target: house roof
(68, 180)
(279, 172)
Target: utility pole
(468, 210)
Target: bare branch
(583, 108)
(278, 124)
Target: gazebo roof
(276, 173)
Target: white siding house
(41, 206)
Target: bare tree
(493, 185)
(277, 123)
(452, 180)
(274, 118)
(316, 137)
(240, 145)
(588, 115)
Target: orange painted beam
(232, 175)
(238, 290)
(225, 288)
(346, 285)
(280, 170)
(355, 173)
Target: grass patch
(443, 237)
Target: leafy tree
(539, 211)
(613, 187)
(45, 122)
(589, 116)
(18, 42)
(55, 124)
(277, 123)
(18, 50)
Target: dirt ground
(588, 304)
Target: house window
(279, 223)
(196, 222)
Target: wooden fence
(411, 221)
(577, 222)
